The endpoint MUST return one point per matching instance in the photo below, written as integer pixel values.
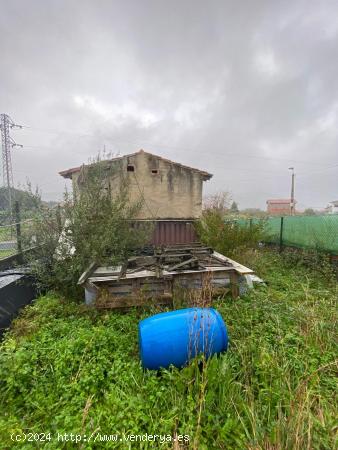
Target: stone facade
(168, 190)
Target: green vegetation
(96, 228)
(8, 235)
(66, 368)
(234, 207)
(228, 237)
(309, 212)
(29, 202)
(7, 252)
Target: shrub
(228, 237)
(317, 261)
(97, 227)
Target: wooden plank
(168, 256)
(117, 302)
(152, 280)
(87, 273)
(194, 284)
(165, 274)
(123, 270)
(141, 274)
(183, 263)
(136, 284)
(185, 247)
(234, 284)
(219, 292)
(107, 271)
(238, 267)
(114, 290)
(220, 282)
(142, 261)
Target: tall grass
(69, 369)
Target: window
(130, 168)
(154, 171)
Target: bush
(97, 227)
(228, 237)
(317, 261)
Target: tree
(29, 201)
(234, 207)
(98, 228)
(217, 202)
(254, 212)
(309, 212)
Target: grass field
(8, 238)
(6, 253)
(7, 234)
(64, 369)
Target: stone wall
(168, 190)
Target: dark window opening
(130, 168)
(154, 171)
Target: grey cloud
(241, 89)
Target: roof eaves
(67, 173)
(278, 200)
(206, 175)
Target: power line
(138, 142)
(33, 147)
(239, 154)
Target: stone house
(172, 201)
(169, 190)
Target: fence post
(18, 227)
(281, 235)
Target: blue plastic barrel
(176, 337)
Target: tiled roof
(279, 200)
(69, 172)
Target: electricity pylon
(6, 123)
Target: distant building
(279, 207)
(332, 208)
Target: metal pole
(292, 204)
(281, 235)
(6, 160)
(18, 227)
(7, 142)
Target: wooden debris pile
(173, 258)
(154, 272)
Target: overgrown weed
(79, 371)
(228, 237)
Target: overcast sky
(243, 89)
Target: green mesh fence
(313, 232)
(9, 238)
